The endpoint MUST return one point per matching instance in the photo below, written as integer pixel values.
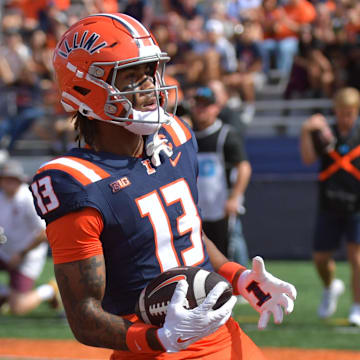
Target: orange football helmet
(89, 55)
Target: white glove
(266, 293)
(183, 327)
(154, 148)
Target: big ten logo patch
(120, 184)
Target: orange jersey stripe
(178, 131)
(82, 170)
(74, 173)
(92, 166)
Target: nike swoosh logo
(180, 340)
(172, 280)
(176, 160)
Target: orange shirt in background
(32, 8)
(303, 12)
(110, 6)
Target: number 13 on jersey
(151, 206)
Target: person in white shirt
(23, 244)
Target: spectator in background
(184, 22)
(41, 55)
(175, 45)
(23, 247)
(338, 149)
(322, 28)
(230, 112)
(211, 57)
(38, 14)
(186, 9)
(22, 88)
(140, 10)
(28, 109)
(312, 73)
(238, 10)
(218, 10)
(14, 55)
(217, 40)
(282, 25)
(249, 77)
(221, 150)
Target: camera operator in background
(337, 146)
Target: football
(156, 296)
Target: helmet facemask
(119, 107)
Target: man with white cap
(23, 244)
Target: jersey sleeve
(75, 236)
(65, 185)
(35, 223)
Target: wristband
(229, 271)
(136, 339)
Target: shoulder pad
(179, 131)
(85, 172)
(62, 185)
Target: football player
(122, 207)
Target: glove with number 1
(266, 293)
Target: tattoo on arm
(82, 286)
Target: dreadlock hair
(86, 129)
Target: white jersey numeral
(46, 193)
(150, 205)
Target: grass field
(302, 329)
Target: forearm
(217, 259)
(242, 179)
(307, 150)
(221, 264)
(82, 284)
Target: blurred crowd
(312, 46)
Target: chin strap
(155, 147)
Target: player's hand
(266, 293)
(155, 147)
(183, 327)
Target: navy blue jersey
(150, 215)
